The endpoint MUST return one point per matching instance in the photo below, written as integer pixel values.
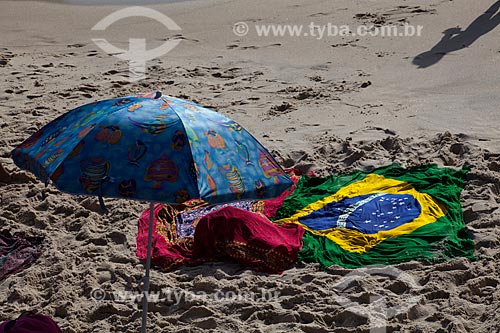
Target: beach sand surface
(332, 104)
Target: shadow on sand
(455, 39)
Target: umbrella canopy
(155, 148)
(152, 147)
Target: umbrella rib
(189, 142)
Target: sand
(331, 105)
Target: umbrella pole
(148, 266)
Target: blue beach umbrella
(154, 148)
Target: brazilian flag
(386, 216)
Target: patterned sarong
(17, 253)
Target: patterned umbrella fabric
(155, 148)
(152, 147)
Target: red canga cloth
(248, 238)
(167, 251)
(30, 323)
(227, 234)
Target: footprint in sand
(180, 37)
(5, 56)
(118, 237)
(77, 45)
(196, 312)
(320, 14)
(87, 88)
(119, 84)
(123, 72)
(494, 166)
(399, 15)
(110, 309)
(251, 47)
(280, 109)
